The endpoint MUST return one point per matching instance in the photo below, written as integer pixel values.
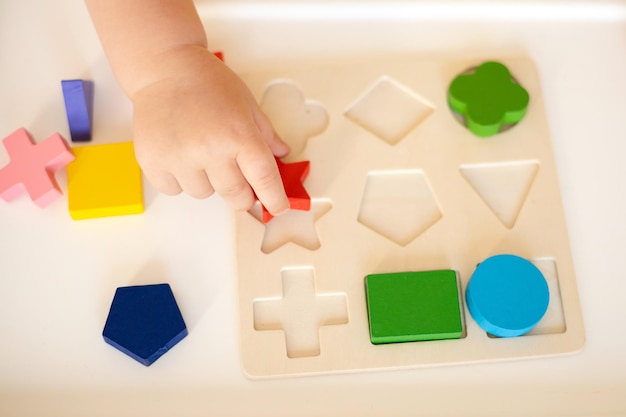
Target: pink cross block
(32, 167)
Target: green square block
(413, 306)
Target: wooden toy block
(507, 295)
(293, 176)
(78, 97)
(488, 98)
(413, 306)
(104, 180)
(144, 322)
(32, 166)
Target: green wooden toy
(413, 306)
(488, 98)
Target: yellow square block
(104, 180)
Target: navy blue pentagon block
(144, 322)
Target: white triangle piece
(503, 186)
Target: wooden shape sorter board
(397, 184)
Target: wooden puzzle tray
(397, 183)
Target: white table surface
(57, 276)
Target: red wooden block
(293, 176)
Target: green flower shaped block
(488, 98)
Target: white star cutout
(296, 226)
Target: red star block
(293, 176)
(32, 167)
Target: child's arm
(197, 127)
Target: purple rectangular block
(78, 96)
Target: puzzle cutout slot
(295, 226)
(300, 312)
(295, 118)
(403, 110)
(398, 205)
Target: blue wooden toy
(144, 322)
(507, 295)
(78, 96)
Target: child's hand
(198, 129)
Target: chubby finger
(276, 144)
(195, 183)
(259, 168)
(229, 182)
(164, 182)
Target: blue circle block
(144, 322)
(507, 295)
